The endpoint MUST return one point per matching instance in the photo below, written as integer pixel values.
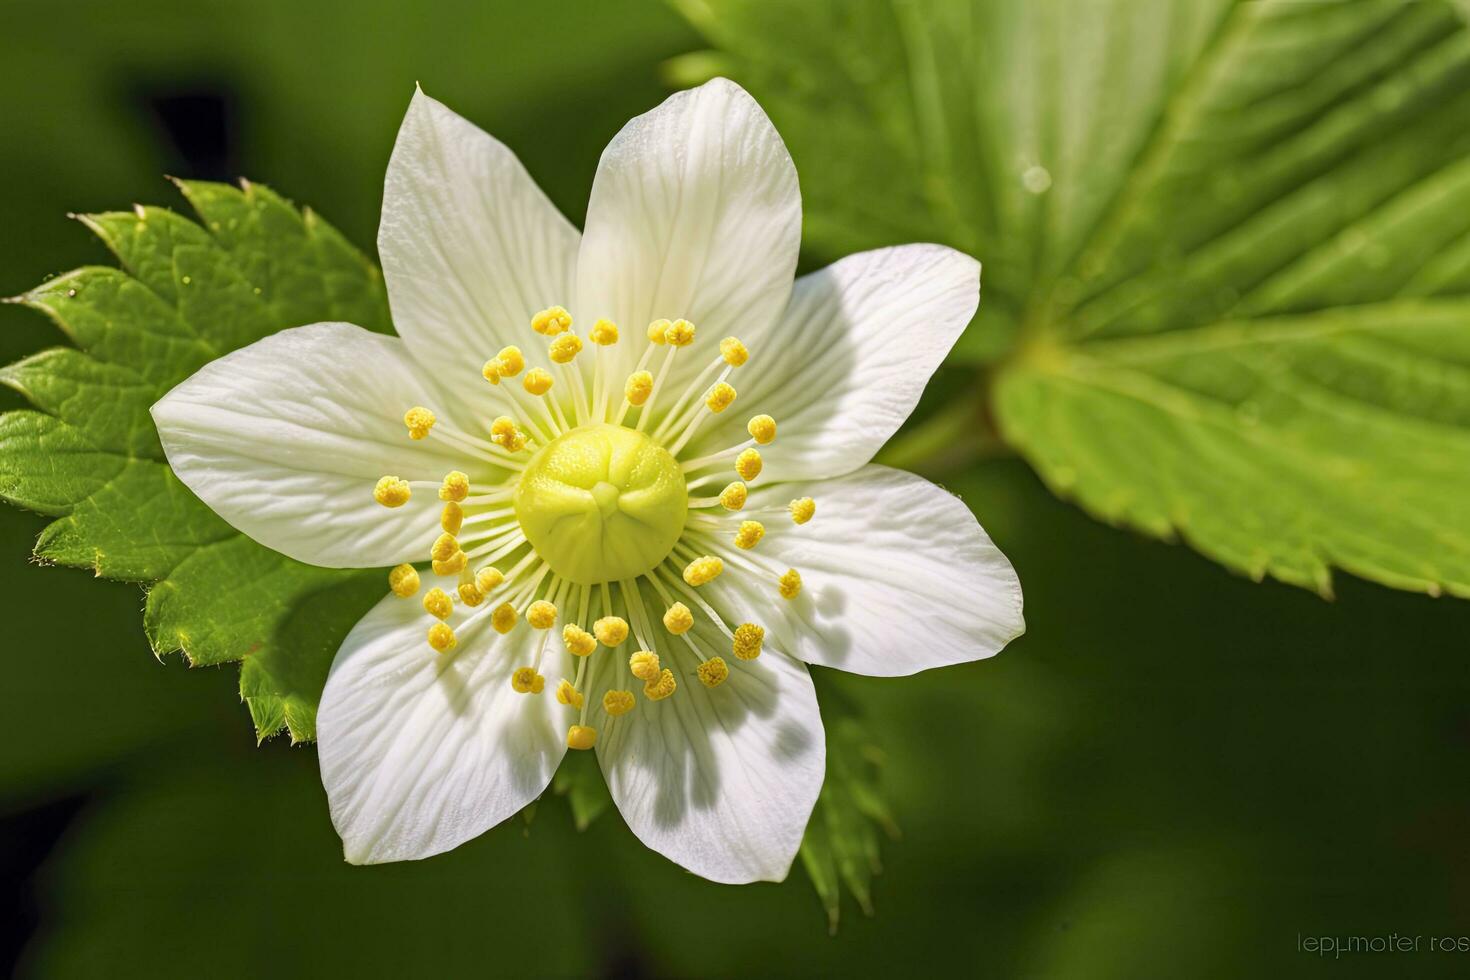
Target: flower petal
(721, 781)
(848, 360)
(420, 751)
(470, 246)
(285, 439)
(695, 213)
(897, 577)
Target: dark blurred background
(1176, 772)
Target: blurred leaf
(1225, 246)
(579, 780)
(89, 455)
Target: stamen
(720, 397)
(392, 492)
(511, 361)
(748, 465)
(611, 631)
(733, 497)
(703, 569)
(618, 703)
(551, 321)
(404, 581)
(749, 534)
(456, 486)
(541, 615)
(746, 643)
(525, 680)
(565, 348)
(678, 619)
(444, 547)
(661, 688)
(762, 429)
(638, 388)
(491, 371)
(451, 518)
(712, 672)
(488, 579)
(790, 584)
(441, 637)
(538, 381)
(470, 593)
(733, 351)
(677, 416)
(604, 333)
(656, 330)
(644, 665)
(802, 509)
(437, 603)
(567, 693)
(419, 421)
(503, 618)
(680, 333)
(579, 642)
(581, 737)
(658, 386)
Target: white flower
(599, 582)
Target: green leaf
(579, 780)
(89, 456)
(1226, 247)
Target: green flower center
(602, 503)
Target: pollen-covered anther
(456, 486)
(403, 580)
(503, 618)
(510, 361)
(470, 594)
(748, 464)
(452, 565)
(749, 534)
(657, 329)
(505, 433)
(720, 397)
(604, 333)
(491, 371)
(733, 496)
(746, 643)
(712, 672)
(581, 737)
(551, 321)
(567, 693)
(538, 381)
(802, 509)
(488, 579)
(678, 619)
(680, 333)
(419, 421)
(441, 637)
(762, 429)
(790, 584)
(525, 680)
(564, 348)
(702, 570)
(661, 688)
(733, 351)
(638, 388)
(392, 492)
(444, 547)
(579, 642)
(438, 604)
(541, 615)
(610, 631)
(451, 518)
(644, 665)
(617, 702)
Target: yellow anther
(564, 348)
(445, 545)
(538, 381)
(762, 429)
(470, 594)
(567, 694)
(452, 565)
(747, 641)
(581, 737)
(644, 665)
(551, 321)
(516, 442)
(749, 534)
(579, 642)
(618, 702)
(604, 333)
(419, 421)
(451, 518)
(659, 689)
(610, 631)
(802, 509)
(748, 464)
(541, 615)
(456, 486)
(441, 637)
(638, 388)
(510, 361)
(392, 492)
(503, 618)
(719, 398)
(404, 580)
(733, 496)
(525, 680)
(712, 672)
(702, 570)
(680, 333)
(438, 604)
(491, 371)
(502, 428)
(733, 351)
(678, 619)
(656, 331)
(488, 579)
(790, 584)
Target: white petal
(721, 781)
(470, 246)
(286, 438)
(695, 213)
(420, 751)
(897, 577)
(847, 362)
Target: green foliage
(88, 454)
(1225, 246)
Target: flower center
(602, 503)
